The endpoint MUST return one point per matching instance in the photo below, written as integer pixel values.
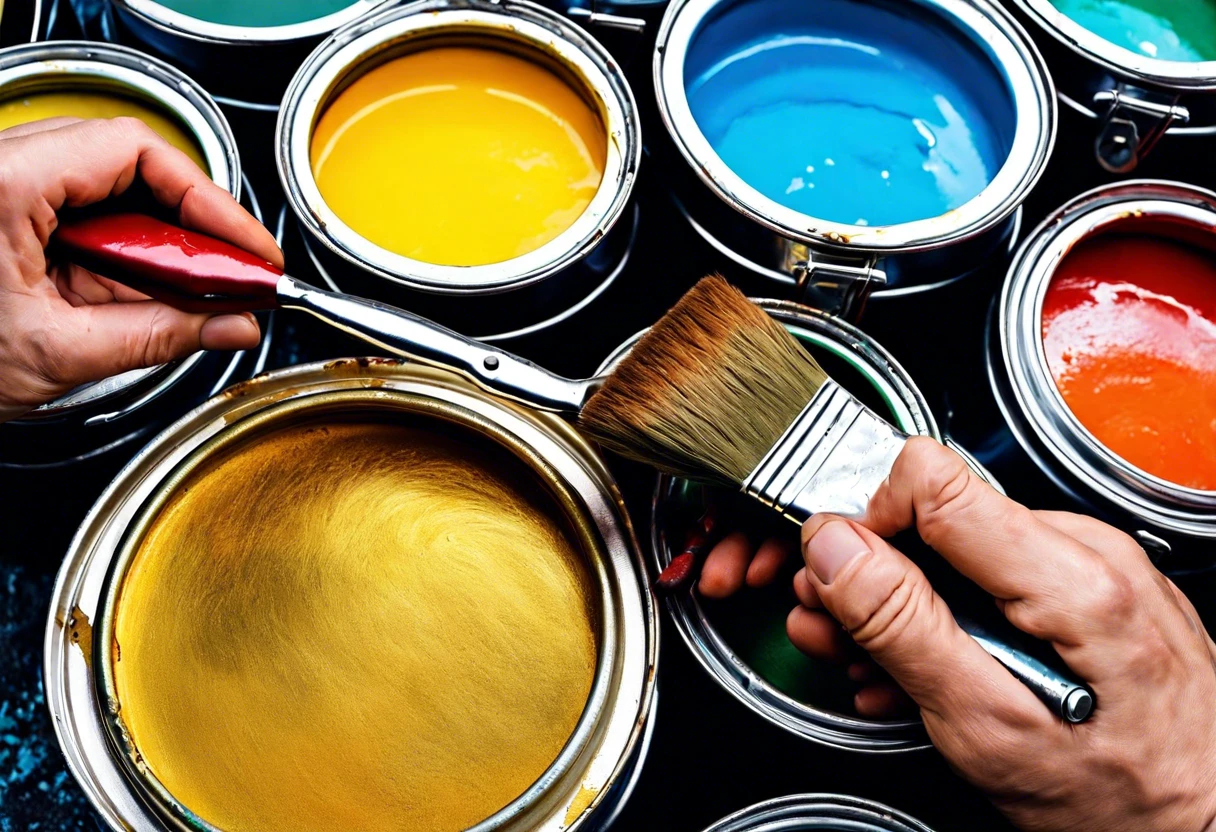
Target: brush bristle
(707, 391)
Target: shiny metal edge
(989, 26)
(103, 64)
(790, 813)
(1040, 406)
(518, 21)
(81, 583)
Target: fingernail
(230, 332)
(833, 546)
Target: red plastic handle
(185, 269)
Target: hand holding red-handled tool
(62, 325)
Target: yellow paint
(354, 626)
(94, 104)
(586, 795)
(459, 156)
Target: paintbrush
(716, 390)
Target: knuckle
(946, 490)
(892, 612)
(156, 344)
(132, 127)
(1111, 596)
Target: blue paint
(848, 111)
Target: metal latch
(1132, 123)
(590, 17)
(832, 283)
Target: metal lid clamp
(835, 284)
(1133, 121)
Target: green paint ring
(1169, 30)
(258, 13)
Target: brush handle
(197, 273)
(406, 334)
(185, 269)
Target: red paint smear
(1129, 325)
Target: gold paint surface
(354, 626)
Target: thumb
(112, 338)
(888, 606)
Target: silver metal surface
(828, 812)
(831, 459)
(400, 27)
(605, 746)
(987, 25)
(405, 334)
(1025, 389)
(104, 67)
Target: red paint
(1129, 326)
(686, 566)
(183, 268)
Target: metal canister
(525, 293)
(583, 786)
(1129, 101)
(837, 266)
(107, 416)
(892, 389)
(220, 55)
(819, 812)
(1172, 521)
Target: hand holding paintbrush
(715, 390)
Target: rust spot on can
(80, 632)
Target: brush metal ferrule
(832, 459)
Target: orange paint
(1129, 326)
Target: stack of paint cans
(237, 642)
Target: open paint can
(96, 80)
(819, 812)
(741, 641)
(1103, 360)
(856, 147)
(218, 41)
(1134, 71)
(468, 160)
(425, 609)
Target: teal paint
(257, 13)
(1172, 30)
(849, 111)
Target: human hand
(1145, 760)
(61, 325)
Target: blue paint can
(880, 145)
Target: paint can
(1125, 99)
(502, 284)
(798, 206)
(726, 644)
(106, 418)
(819, 811)
(591, 771)
(218, 42)
(1175, 523)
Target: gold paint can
(359, 594)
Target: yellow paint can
(459, 156)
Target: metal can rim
(788, 814)
(988, 25)
(69, 677)
(520, 21)
(1037, 407)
